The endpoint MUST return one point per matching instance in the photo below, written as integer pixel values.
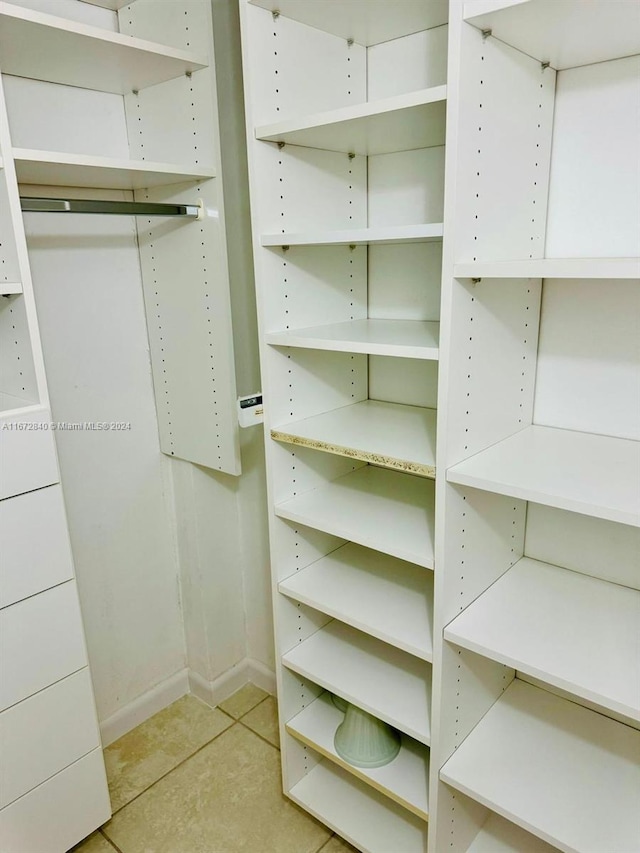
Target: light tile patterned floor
(195, 779)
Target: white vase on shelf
(365, 741)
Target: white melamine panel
(60, 811)
(27, 453)
(185, 25)
(578, 268)
(405, 779)
(78, 170)
(385, 597)
(591, 545)
(406, 188)
(589, 352)
(504, 143)
(380, 679)
(567, 774)
(42, 642)
(293, 70)
(561, 33)
(51, 117)
(45, 733)
(9, 267)
(73, 10)
(36, 553)
(492, 362)
(355, 236)
(404, 281)
(194, 385)
(383, 510)
(399, 123)
(17, 370)
(594, 161)
(10, 288)
(406, 381)
(573, 631)
(45, 47)
(360, 815)
(397, 338)
(500, 836)
(404, 64)
(385, 434)
(591, 474)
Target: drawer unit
(56, 814)
(36, 554)
(42, 641)
(28, 458)
(46, 733)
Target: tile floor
(195, 779)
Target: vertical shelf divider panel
(345, 131)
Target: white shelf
(11, 403)
(358, 813)
(367, 23)
(383, 510)
(607, 268)
(380, 595)
(405, 779)
(566, 774)
(53, 168)
(590, 474)
(9, 288)
(574, 632)
(387, 434)
(500, 836)
(380, 679)
(428, 233)
(396, 338)
(46, 47)
(401, 123)
(561, 33)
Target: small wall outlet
(250, 410)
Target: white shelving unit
(515, 385)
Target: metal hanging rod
(123, 208)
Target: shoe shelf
(405, 780)
(579, 268)
(384, 510)
(386, 682)
(539, 760)
(384, 234)
(387, 434)
(385, 597)
(572, 631)
(595, 475)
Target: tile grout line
(258, 735)
(109, 841)
(180, 763)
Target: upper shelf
(399, 338)
(567, 774)
(606, 268)
(56, 169)
(594, 475)
(9, 288)
(560, 32)
(401, 123)
(427, 233)
(386, 434)
(366, 23)
(578, 633)
(383, 510)
(500, 836)
(46, 47)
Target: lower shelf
(500, 836)
(384, 510)
(405, 779)
(568, 775)
(378, 678)
(359, 814)
(9, 288)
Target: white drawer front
(46, 733)
(27, 455)
(34, 544)
(60, 812)
(41, 641)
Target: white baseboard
(144, 706)
(216, 691)
(183, 682)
